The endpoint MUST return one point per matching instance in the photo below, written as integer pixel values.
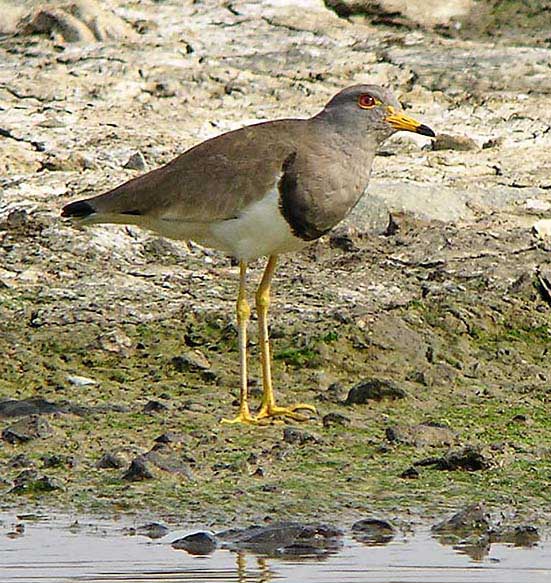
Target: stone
(110, 461)
(449, 142)
(374, 390)
(426, 13)
(284, 539)
(138, 471)
(58, 461)
(152, 407)
(136, 162)
(32, 427)
(152, 530)
(421, 435)
(115, 341)
(162, 89)
(191, 361)
(373, 531)
(410, 473)
(30, 482)
(335, 393)
(524, 535)
(17, 157)
(468, 458)
(79, 381)
(172, 437)
(198, 543)
(473, 519)
(80, 21)
(542, 229)
(344, 238)
(298, 436)
(335, 419)
(173, 462)
(32, 406)
(55, 162)
(20, 461)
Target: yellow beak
(401, 121)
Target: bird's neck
(355, 137)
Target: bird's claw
(289, 412)
(244, 416)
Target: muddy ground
(442, 312)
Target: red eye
(366, 101)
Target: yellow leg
(241, 563)
(243, 315)
(268, 408)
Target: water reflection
(263, 573)
(61, 550)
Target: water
(51, 550)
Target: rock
(11, 15)
(153, 530)
(173, 462)
(58, 23)
(542, 229)
(475, 546)
(58, 461)
(449, 142)
(199, 543)
(80, 21)
(370, 216)
(493, 143)
(298, 436)
(20, 461)
(374, 390)
(138, 471)
(79, 381)
(335, 393)
(72, 162)
(410, 473)
(172, 437)
(472, 520)
(154, 407)
(426, 13)
(467, 458)
(333, 419)
(37, 406)
(284, 539)
(32, 427)
(421, 435)
(33, 406)
(136, 162)
(162, 88)
(344, 237)
(164, 249)
(193, 406)
(110, 461)
(115, 341)
(372, 531)
(18, 157)
(29, 482)
(191, 361)
(521, 536)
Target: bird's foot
(244, 416)
(290, 412)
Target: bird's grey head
(370, 110)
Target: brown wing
(213, 180)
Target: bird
(260, 191)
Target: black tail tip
(79, 209)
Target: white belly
(259, 230)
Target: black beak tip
(425, 131)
